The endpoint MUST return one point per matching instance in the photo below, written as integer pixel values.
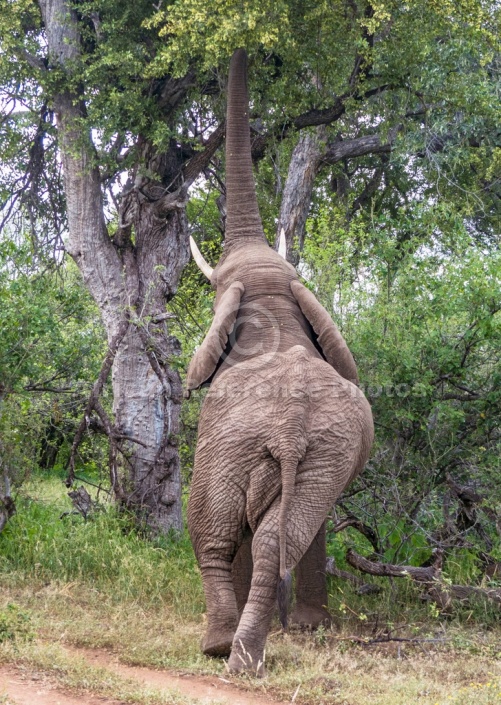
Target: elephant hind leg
(241, 571)
(215, 552)
(310, 610)
(216, 521)
(319, 482)
(247, 652)
(222, 612)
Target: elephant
(283, 428)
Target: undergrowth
(41, 545)
(98, 583)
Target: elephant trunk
(242, 211)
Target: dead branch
(7, 506)
(93, 402)
(99, 487)
(362, 588)
(364, 529)
(201, 159)
(7, 510)
(386, 639)
(82, 501)
(191, 170)
(430, 577)
(359, 146)
(419, 574)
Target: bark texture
(303, 169)
(430, 577)
(132, 280)
(7, 506)
(310, 155)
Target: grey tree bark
(310, 154)
(130, 282)
(296, 199)
(7, 506)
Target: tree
(132, 98)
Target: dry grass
(147, 610)
(334, 671)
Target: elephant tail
(284, 598)
(289, 469)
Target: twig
(93, 401)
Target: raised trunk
(242, 212)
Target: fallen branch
(430, 577)
(82, 502)
(362, 587)
(365, 641)
(419, 574)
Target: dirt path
(22, 689)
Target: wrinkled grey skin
(283, 429)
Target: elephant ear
(327, 337)
(205, 361)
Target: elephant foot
(218, 642)
(244, 660)
(309, 616)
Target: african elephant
(282, 430)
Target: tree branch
(431, 577)
(367, 531)
(201, 159)
(93, 401)
(362, 588)
(34, 61)
(359, 146)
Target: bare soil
(24, 688)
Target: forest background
(376, 142)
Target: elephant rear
(281, 429)
(324, 431)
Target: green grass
(105, 551)
(74, 673)
(100, 584)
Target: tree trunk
(147, 392)
(126, 279)
(309, 155)
(7, 506)
(296, 199)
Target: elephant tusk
(282, 245)
(198, 257)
